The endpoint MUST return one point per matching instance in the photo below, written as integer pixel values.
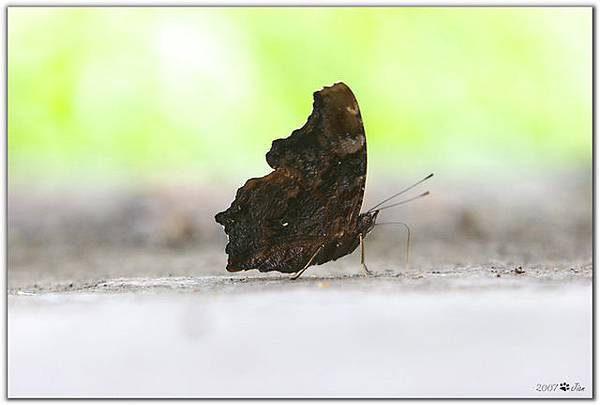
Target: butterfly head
(366, 222)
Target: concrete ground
(124, 293)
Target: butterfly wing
(311, 199)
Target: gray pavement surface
(123, 292)
(317, 338)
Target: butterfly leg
(296, 275)
(362, 255)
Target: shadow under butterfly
(307, 210)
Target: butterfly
(307, 210)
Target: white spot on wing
(352, 110)
(352, 145)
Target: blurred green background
(200, 93)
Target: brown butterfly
(307, 210)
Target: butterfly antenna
(402, 192)
(407, 237)
(426, 193)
